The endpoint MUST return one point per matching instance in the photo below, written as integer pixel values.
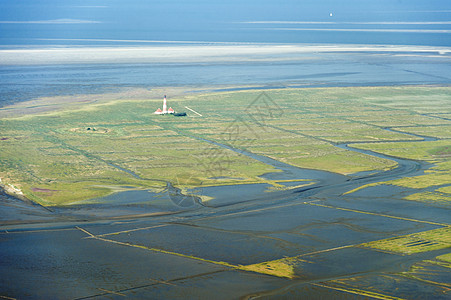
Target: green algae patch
(415, 243)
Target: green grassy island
(71, 154)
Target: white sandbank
(195, 53)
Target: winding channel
(323, 182)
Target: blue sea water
(31, 22)
(35, 24)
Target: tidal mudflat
(325, 192)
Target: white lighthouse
(165, 108)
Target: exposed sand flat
(193, 53)
(49, 104)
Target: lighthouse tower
(165, 107)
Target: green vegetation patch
(441, 151)
(284, 267)
(441, 131)
(344, 162)
(432, 197)
(415, 243)
(445, 258)
(423, 181)
(446, 189)
(417, 99)
(409, 150)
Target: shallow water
(19, 83)
(230, 194)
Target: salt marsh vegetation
(65, 156)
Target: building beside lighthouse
(165, 108)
